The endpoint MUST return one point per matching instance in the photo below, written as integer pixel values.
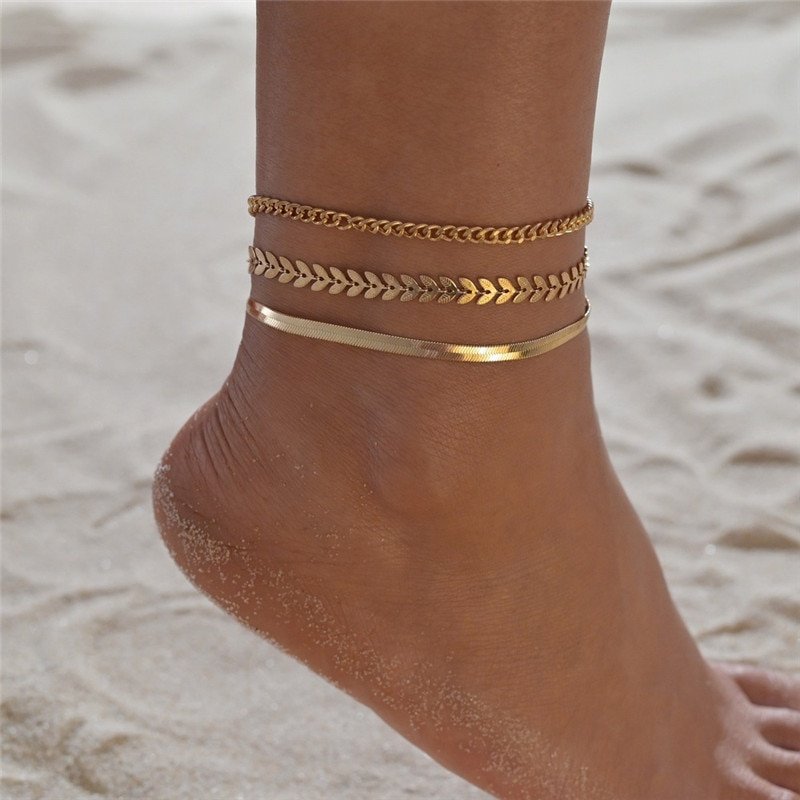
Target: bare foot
(449, 544)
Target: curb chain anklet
(515, 234)
(402, 345)
(424, 289)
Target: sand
(119, 679)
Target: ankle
(416, 432)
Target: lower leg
(448, 542)
(473, 113)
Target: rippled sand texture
(128, 157)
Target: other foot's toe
(765, 687)
(780, 727)
(780, 767)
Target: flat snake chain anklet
(402, 345)
(514, 234)
(424, 289)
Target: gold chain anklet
(424, 289)
(422, 348)
(515, 234)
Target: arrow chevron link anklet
(424, 288)
(402, 345)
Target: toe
(765, 687)
(781, 727)
(763, 789)
(780, 767)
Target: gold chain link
(516, 234)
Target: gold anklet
(516, 234)
(425, 288)
(422, 348)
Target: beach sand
(128, 154)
